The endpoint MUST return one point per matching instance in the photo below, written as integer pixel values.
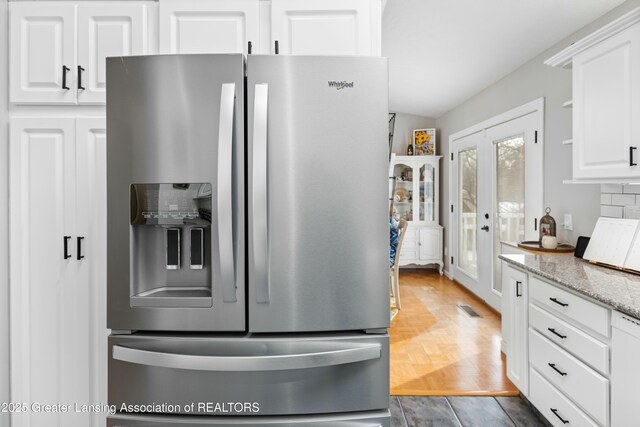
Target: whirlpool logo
(340, 85)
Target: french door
(496, 195)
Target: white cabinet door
(58, 318)
(606, 105)
(430, 244)
(91, 226)
(44, 319)
(106, 30)
(327, 27)
(42, 53)
(514, 288)
(209, 26)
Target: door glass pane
(403, 193)
(509, 214)
(426, 193)
(467, 228)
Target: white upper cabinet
(57, 49)
(301, 27)
(606, 101)
(106, 30)
(329, 27)
(606, 104)
(209, 26)
(42, 40)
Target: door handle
(555, 412)
(485, 228)
(224, 196)
(631, 162)
(556, 333)
(553, 366)
(65, 69)
(518, 293)
(259, 193)
(559, 302)
(66, 247)
(79, 255)
(80, 70)
(320, 354)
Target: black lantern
(547, 225)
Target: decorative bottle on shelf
(410, 149)
(547, 226)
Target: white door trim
(535, 106)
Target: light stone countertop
(615, 288)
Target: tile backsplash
(620, 201)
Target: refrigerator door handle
(329, 354)
(224, 196)
(259, 187)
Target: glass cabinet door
(403, 194)
(427, 188)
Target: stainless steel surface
(312, 355)
(225, 196)
(165, 115)
(259, 194)
(363, 419)
(332, 380)
(327, 219)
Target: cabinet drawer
(554, 405)
(593, 316)
(585, 386)
(591, 351)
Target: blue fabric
(394, 233)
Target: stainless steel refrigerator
(247, 240)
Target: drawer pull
(555, 412)
(554, 332)
(553, 366)
(564, 304)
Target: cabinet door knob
(65, 69)
(80, 70)
(485, 228)
(631, 162)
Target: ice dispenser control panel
(171, 204)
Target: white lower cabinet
(556, 407)
(558, 350)
(422, 245)
(514, 290)
(57, 278)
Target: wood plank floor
(437, 349)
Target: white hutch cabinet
(416, 199)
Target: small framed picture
(424, 142)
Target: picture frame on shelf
(424, 142)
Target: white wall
(4, 214)
(405, 124)
(531, 81)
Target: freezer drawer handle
(335, 354)
(259, 190)
(224, 196)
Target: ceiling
(442, 52)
